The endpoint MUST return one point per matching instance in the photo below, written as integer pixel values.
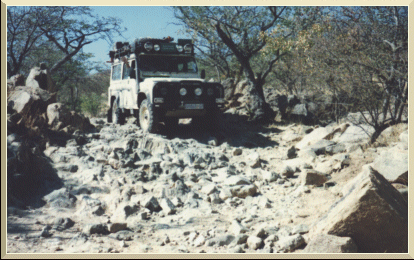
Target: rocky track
(247, 189)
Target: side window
(125, 72)
(116, 72)
(192, 66)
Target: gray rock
(152, 204)
(324, 243)
(372, 212)
(115, 227)
(287, 171)
(393, 165)
(96, 229)
(209, 189)
(213, 141)
(312, 177)
(356, 134)
(199, 241)
(61, 224)
(240, 239)
(236, 228)
(236, 180)
(167, 206)
(46, 231)
(215, 198)
(123, 235)
(220, 241)
(253, 160)
(242, 191)
(238, 249)
(404, 137)
(60, 199)
(270, 176)
(98, 211)
(300, 229)
(291, 153)
(320, 146)
(254, 242)
(237, 151)
(336, 148)
(290, 243)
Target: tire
(109, 116)
(117, 116)
(147, 118)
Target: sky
(140, 21)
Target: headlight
(179, 48)
(210, 91)
(198, 91)
(148, 46)
(183, 91)
(156, 47)
(187, 48)
(163, 91)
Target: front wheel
(147, 118)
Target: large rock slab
(154, 145)
(314, 136)
(30, 102)
(323, 243)
(393, 165)
(372, 212)
(356, 134)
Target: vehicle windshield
(158, 63)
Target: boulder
(242, 191)
(39, 77)
(324, 243)
(312, 177)
(254, 242)
(372, 212)
(356, 134)
(221, 240)
(289, 243)
(393, 165)
(314, 136)
(229, 88)
(16, 80)
(61, 198)
(31, 103)
(59, 117)
(154, 145)
(320, 146)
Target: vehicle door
(129, 92)
(116, 82)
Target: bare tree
(68, 28)
(239, 30)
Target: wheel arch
(141, 97)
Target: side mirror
(203, 74)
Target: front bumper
(167, 98)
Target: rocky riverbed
(246, 189)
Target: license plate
(194, 106)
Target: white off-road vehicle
(157, 80)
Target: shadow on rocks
(234, 129)
(30, 176)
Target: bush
(91, 104)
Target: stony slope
(248, 189)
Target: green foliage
(91, 103)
